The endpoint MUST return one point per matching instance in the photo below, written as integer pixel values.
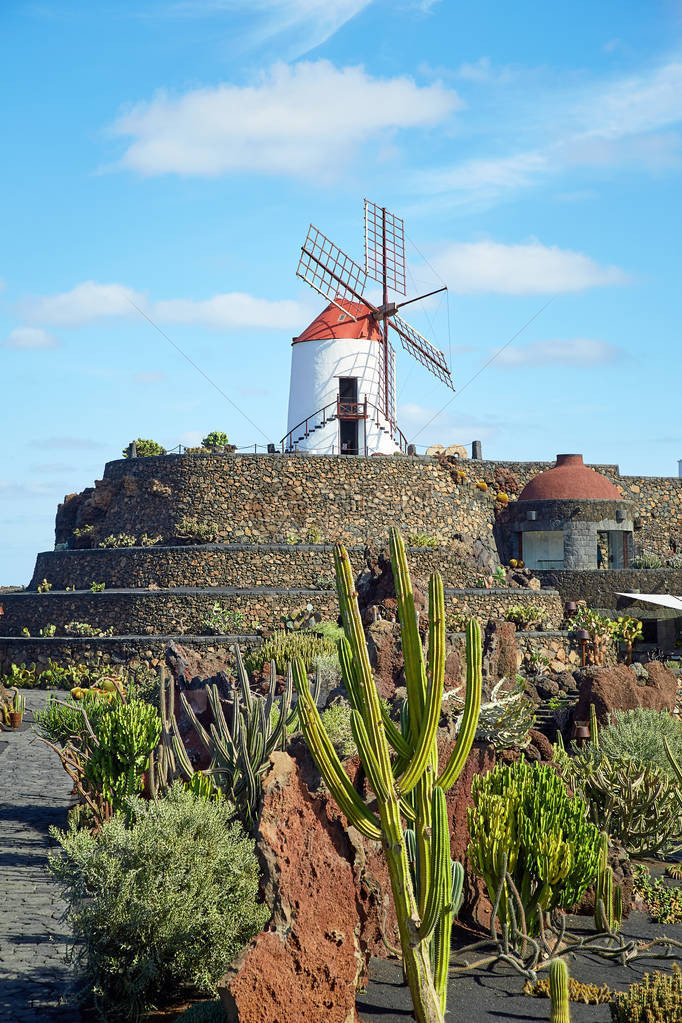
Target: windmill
(314, 375)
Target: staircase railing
(341, 409)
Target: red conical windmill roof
(570, 479)
(335, 323)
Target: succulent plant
(527, 832)
(655, 999)
(408, 785)
(608, 897)
(558, 992)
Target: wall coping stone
(479, 591)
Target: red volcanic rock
(499, 651)
(327, 890)
(618, 688)
(570, 479)
(476, 907)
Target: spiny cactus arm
(204, 737)
(327, 760)
(216, 705)
(395, 736)
(181, 756)
(472, 707)
(369, 761)
(362, 687)
(594, 727)
(270, 698)
(434, 696)
(354, 690)
(413, 655)
(441, 878)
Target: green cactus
(426, 888)
(608, 898)
(524, 827)
(126, 737)
(19, 702)
(240, 752)
(558, 992)
(594, 727)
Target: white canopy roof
(663, 599)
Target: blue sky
(171, 153)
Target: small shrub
(97, 587)
(82, 532)
(149, 541)
(646, 559)
(62, 722)
(639, 734)
(313, 535)
(586, 994)
(145, 448)
(125, 738)
(48, 631)
(500, 576)
(216, 440)
(164, 904)
(44, 586)
(524, 614)
(118, 540)
(325, 582)
(283, 646)
(655, 999)
(423, 540)
(336, 721)
(223, 622)
(193, 531)
(83, 629)
(663, 901)
(637, 804)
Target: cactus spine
(558, 992)
(409, 786)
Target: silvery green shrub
(162, 904)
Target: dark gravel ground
(495, 995)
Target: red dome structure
(570, 479)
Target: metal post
(384, 274)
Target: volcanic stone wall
(269, 498)
(238, 565)
(184, 609)
(599, 588)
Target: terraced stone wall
(599, 588)
(268, 498)
(183, 610)
(238, 565)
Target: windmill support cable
(479, 371)
(199, 370)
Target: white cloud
(525, 269)
(30, 337)
(89, 302)
(578, 351)
(307, 121)
(297, 25)
(629, 122)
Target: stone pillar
(580, 545)
(477, 450)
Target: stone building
(571, 517)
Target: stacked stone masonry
(184, 610)
(239, 565)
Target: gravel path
(35, 981)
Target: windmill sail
(385, 247)
(332, 273)
(422, 350)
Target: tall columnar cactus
(608, 897)
(594, 726)
(558, 992)
(407, 784)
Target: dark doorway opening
(348, 415)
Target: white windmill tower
(342, 389)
